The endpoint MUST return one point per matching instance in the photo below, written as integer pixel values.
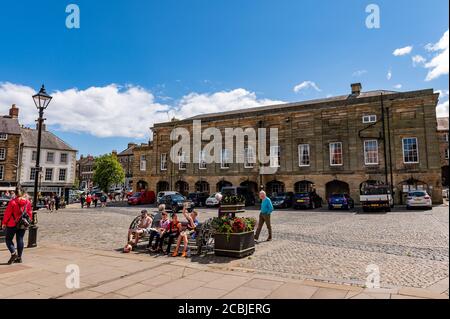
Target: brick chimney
(14, 112)
(131, 144)
(356, 88)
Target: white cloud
(113, 111)
(389, 75)
(402, 51)
(398, 86)
(439, 63)
(359, 73)
(442, 109)
(306, 85)
(418, 60)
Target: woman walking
(13, 215)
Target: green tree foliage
(107, 171)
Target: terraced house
(331, 145)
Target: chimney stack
(131, 144)
(14, 112)
(356, 88)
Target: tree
(107, 171)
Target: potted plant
(234, 236)
(232, 204)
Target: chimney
(131, 145)
(14, 112)
(356, 88)
(114, 152)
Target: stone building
(9, 150)
(141, 166)
(85, 171)
(57, 161)
(331, 145)
(126, 160)
(442, 128)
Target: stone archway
(409, 185)
(141, 186)
(445, 177)
(336, 187)
(162, 186)
(303, 186)
(182, 187)
(274, 187)
(221, 184)
(202, 187)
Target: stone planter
(234, 245)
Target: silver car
(418, 199)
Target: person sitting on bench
(159, 230)
(172, 231)
(189, 232)
(134, 234)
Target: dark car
(307, 200)
(283, 200)
(199, 198)
(175, 202)
(340, 201)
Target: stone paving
(109, 275)
(409, 247)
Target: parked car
(211, 201)
(341, 201)
(418, 199)
(142, 198)
(283, 200)
(376, 198)
(240, 190)
(164, 193)
(199, 198)
(175, 202)
(307, 200)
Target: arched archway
(141, 185)
(251, 186)
(336, 187)
(303, 186)
(222, 184)
(409, 185)
(445, 178)
(274, 187)
(202, 187)
(162, 186)
(182, 187)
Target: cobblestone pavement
(409, 247)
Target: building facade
(331, 145)
(126, 160)
(443, 147)
(85, 171)
(58, 162)
(9, 150)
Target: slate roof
(128, 151)
(442, 123)
(48, 141)
(9, 126)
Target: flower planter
(236, 245)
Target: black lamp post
(41, 100)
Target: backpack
(24, 221)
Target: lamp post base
(32, 236)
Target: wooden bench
(202, 243)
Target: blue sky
(136, 62)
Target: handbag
(24, 221)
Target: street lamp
(41, 100)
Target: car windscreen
(336, 196)
(136, 195)
(417, 194)
(302, 195)
(177, 198)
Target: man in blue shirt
(264, 216)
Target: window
(163, 162)
(49, 174)
(143, 163)
(3, 136)
(2, 154)
(371, 152)
(336, 154)
(274, 156)
(446, 153)
(202, 160)
(303, 155)
(369, 119)
(63, 158)
(224, 159)
(62, 174)
(33, 173)
(34, 156)
(2, 172)
(182, 160)
(50, 157)
(410, 151)
(446, 137)
(249, 157)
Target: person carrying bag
(16, 221)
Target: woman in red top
(12, 215)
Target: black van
(240, 190)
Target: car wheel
(330, 207)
